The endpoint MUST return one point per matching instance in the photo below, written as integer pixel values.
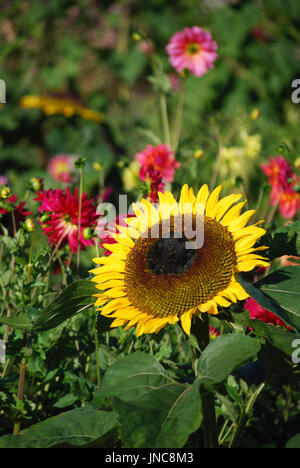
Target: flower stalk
(200, 329)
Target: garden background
(84, 79)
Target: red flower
(260, 313)
(19, 214)
(282, 180)
(159, 158)
(63, 209)
(156, 184)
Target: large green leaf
(223, 355)
(294, 442)
(74, 299)
(81, 427)
(154, 411)
(279, 293)
(279, 337)
(283, 241)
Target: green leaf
(279, 293)
(223, 355)
(282, 241)
(81, 427)
(18, 320)
(66, 400)
(279, 337)
(154, 410)
(294, 442)
(75, 298)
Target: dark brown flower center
(170, 256)
(164, 278)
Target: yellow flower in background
(130, 176)
(151, 280)
(232, 162)
(252, 146)
(235, 159)
(56, 105)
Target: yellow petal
(225, 203)
(241, 221)
(250, 265)
(211, 205)
(186, 321)
(233, 213)
(201, 199)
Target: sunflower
(152, 279)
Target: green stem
(178, 117)
(200, 328)
(79, 218)
(29, 265)
(97, 356)
(216, 168)
(17, 424)
(240, 427)
(165, 119)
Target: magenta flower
(61, 167)
(62, 210)
(192, 49)
(159, 158)
(260, 313)
(282, 180)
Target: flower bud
(88, 233)
(5, 192)
(255, 114)
(137, 37)
(198, 153)
(29, 224)
(44, 218)
(80, 163)
(36, 184)
(97, 166)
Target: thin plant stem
(216, 168)
(200, 328)
(79, 219)
(29, 265)
(101, 185)
(178, 117)
(240, 427)
(165, 119)
(271, 214)
(55, 250)
(97, 356)
(22, 373)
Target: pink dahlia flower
(11, 212)
(159, 158)
(63, 211)
(282, 180)
(61, 167)
(260, 313)
(192, 49)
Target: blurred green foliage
(86, 51)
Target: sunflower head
(176, 260)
